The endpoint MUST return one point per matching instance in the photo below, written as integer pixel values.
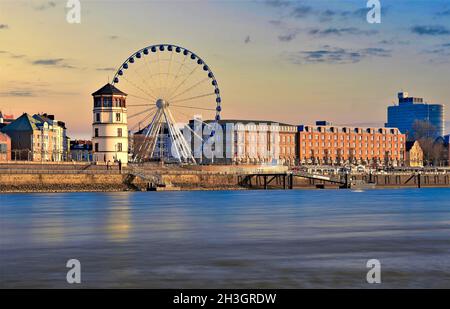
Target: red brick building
(328, 144)
(5, 147)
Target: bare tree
(433, 149)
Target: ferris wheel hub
(161, 103)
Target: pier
(285, 181)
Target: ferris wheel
(167, 86)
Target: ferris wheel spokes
(164, 77)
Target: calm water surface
(227, 239)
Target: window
(119, 147)
(117, 116)
(96, 147)
(97, 117)
(107, 102)
(98, 102)
(96, 132)
(119, 132)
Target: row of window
(360, 145)
(109, 102)
(252, 149)
(349, 130)
(354, 137)
(119, 132)
(98, 117)
(119, 147)
(336, 152)
(262, 138)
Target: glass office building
(410, 109)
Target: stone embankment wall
(66, 182)
(61, 182)
(19, 177)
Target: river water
(227, 239)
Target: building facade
(329, 145)
(414, 154)
(37, 138)
(5, 147)
(246, 142)
(60, 142)
(411, 109)
(81, 150)
(110, 130)
(31, 139)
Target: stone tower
(110, 130)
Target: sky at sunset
(287, 61)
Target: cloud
(247, 39)
(334, 55)
(48, 61)
(277, 3)
(302, 11)
(361, 12)
(17, 93)
(376, 51)
(441, 51)
(287, 37)
(341, 31)
(275, 22)
(33, 89)
(45, 6)
(444, 13)
(12, 55)
(4, 26)
(393, 41)
(107, 69)
(327, 15)
(430, 30)
(55, 62)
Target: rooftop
(246, 121)
(108, 89)
(23, 123)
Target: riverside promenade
(81, 177)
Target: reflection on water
(240, 239)
(118, 223)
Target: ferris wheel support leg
(173, 137)
(183, 143)
(154, 138)
(137, 154)
(149, 139)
